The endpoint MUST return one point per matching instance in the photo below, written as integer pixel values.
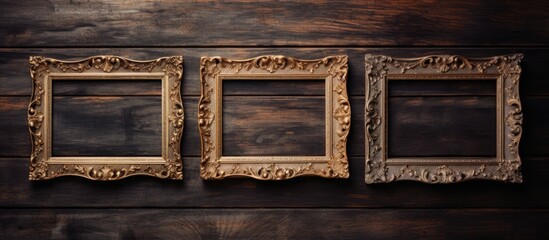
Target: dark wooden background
(147, 208)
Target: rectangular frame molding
(505, 70)
(332, 69)
(44, 71)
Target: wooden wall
(147, 208)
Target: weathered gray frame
(504, 167)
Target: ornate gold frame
(504, 167)
(332, 69)
(45, 70)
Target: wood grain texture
(15, 79)
(16, 140)
(260, 23)
(303, 208)
(107, 126)
(462, 126)
(273, 224)
(277, 87)
(312, 192)
(421, 88)
(100, 87)
(536, 117)
(274, 126)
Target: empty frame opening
(106, 117)
(273, 117)
(441, 118)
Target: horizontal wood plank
(302, 208)
(260, 23)
(15, 78)
(273, 224)
(535, 129)
(78, 87)
(448, 126)
(418, 87)
(16, 141)
(107, 126)
(275, 87)
(244, 192)
(274, 126)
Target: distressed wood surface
(311, 192)
(98, 87)
(107, 126)
(314, 208)
(278, 87)
(274, 224)
(15, 79)
(421, 88)
(274, 126)
(16, 142)
(441, 126)
(260, 23)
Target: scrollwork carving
(335, 68)
(440, 174)
(507, 70)
(40, 68)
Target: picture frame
(505, 166)
(331, 69)
(44, 71)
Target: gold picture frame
(332, 69)
(168, 70)
(504, 167)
